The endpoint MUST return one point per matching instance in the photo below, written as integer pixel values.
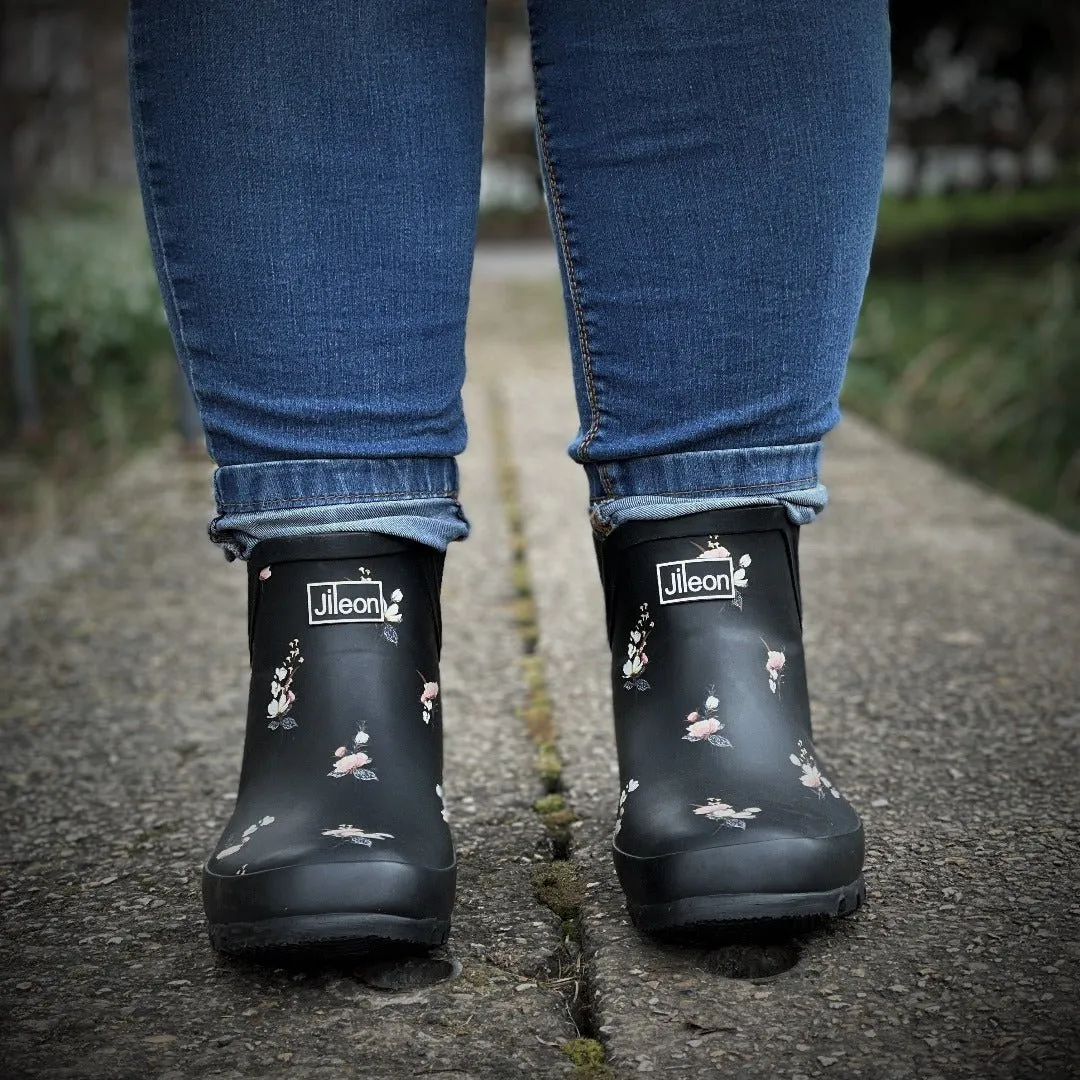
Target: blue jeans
(311, 171)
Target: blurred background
(968, 346)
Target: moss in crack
(588, 1058)
(549, 766)
(557, 887)
(558, 819)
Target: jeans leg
(310, 173)
(713, 172)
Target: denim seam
(337, 496)
(571, 274)
(787, 485)
(183, 354)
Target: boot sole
(335, 936)
(724, 912)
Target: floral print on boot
(339, 840)
(732, 818)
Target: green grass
(980, 367)
(905, 221)
(103, 356)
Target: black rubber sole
(723, 913)
(335, 936)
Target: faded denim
(311, 173)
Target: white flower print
(442, 799)
(245, 836)
(281, 693)
(357, 836)
(704, 724)
(428, 696)
(774, 666)
(631, 786)
(636, 657)
(391, 613)
(811, 775)
(353, 762)
(726, 814)
(739, 578)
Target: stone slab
(943, 640)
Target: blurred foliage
(904, 221)
(979, 366)
(101, 342)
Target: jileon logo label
(344, 601)
(695, 579)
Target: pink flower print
(705, 724)
(282, 695)
(264, 574)
(353, 763)
(717, 552)
(428, 696)
(702, 729)
(774, 666)
(811, 776)
(636, 657)
(357, 836)
(726, 814)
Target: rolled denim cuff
(801, 506)
(766, 470)
(670, 485)
(282, 485)
(414, 498)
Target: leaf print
(726, 814)
(636, 657)
(245, 836)
(811, 775)
(631, 786)
(357, 836)
(705, 725)
(428, 695)
(390, 633)
(281, 693)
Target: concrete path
(944, 647)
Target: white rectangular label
(344, 601)
(695, 579)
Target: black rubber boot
(726, 813)
(339, 841)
